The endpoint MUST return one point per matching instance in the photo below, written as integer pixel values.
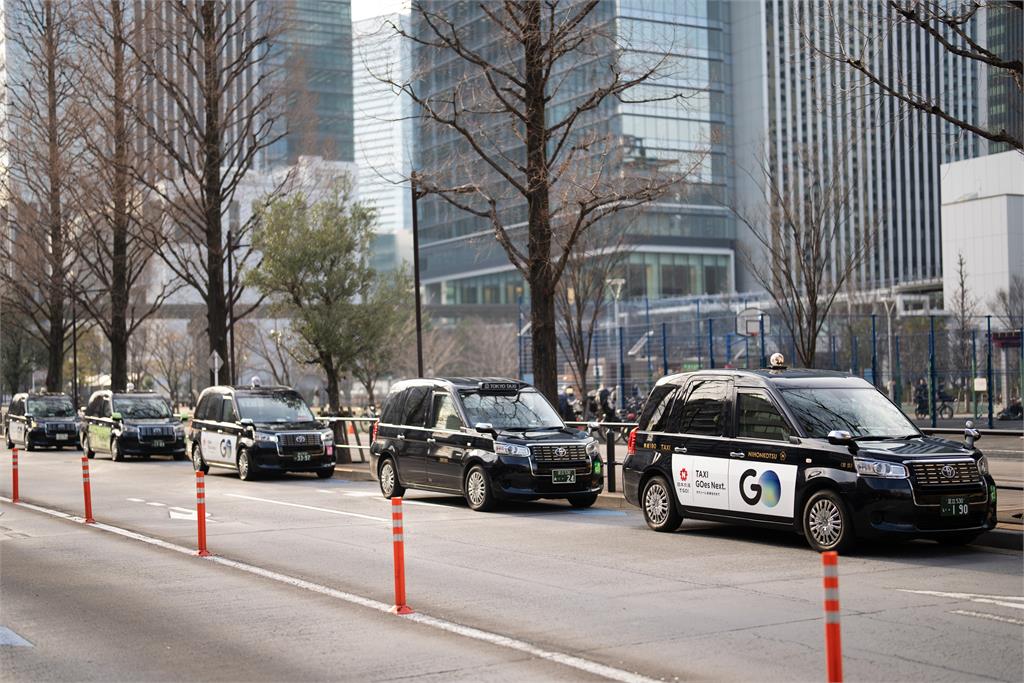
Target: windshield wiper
(874, 437)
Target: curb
(354, 471)
(1006, 539)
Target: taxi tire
(583, 500)
(248, 473)
(325, 474)
(198, 464)
(846, 538)
(658, 487)
(482, 482)
(115, 452)
(397, 490)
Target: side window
(656, 406)
(105, 410)
(444, 413)
(19, 407)
(202, 408)
(759, 419)
(391, 413)
(704, 411)
(228, 412)
(417, 402)
(93, 409)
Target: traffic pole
(87, 491)
(833, 645)
(201, 513)
(398, 541)
(14, 475)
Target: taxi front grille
(303, 440)
(559, 452)
(156, 432)
(944, 473)
(60, 428)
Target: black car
(259, 430)
(820, 453)
(39, 419)
(485, 439)
(132, 424)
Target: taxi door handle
(679, 449)
(737, 454)
(400, 436)
(431, 440)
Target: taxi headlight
(266, 437)
(511, 449)
(129, 429)
(983, 465)
(328, 436)
(593, 447)
(879, 468)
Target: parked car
(131, 423)
(41, 420)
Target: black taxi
(821, 453)
(132, 423)
(257, 430)
(41, 420)
(487, 439)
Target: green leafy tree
(380, 331)
(315, 263)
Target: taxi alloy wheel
(246, 472)
(478, 490)
(197, 462)
(826, 522)
(115, 452)
(389, 484)
(659, 511)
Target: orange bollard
(14, 475)
(201, 512)
(397, 537)
(87, 490)
(833, 645)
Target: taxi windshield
(56, 406)
(141, 407)
(278, 408)
(519, 412)
(862, 412)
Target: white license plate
(302, 457)
(62, 437)
(158, 444)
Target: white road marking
(184, 513)
(136, 500)
(986, 615)
(309, 507)
(156, 505)
(572, 661)
(1001, 600)
(11, 639)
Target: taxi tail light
(631, 442)
(373, 432)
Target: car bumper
(42, 438)
(525, 480)
(894, 507)
(269, 460)
(133, 446)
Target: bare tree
(121, 231)
(964, 308)
(208, 61)
(568, 172)
(1008, 304)
(274, 350)
(43, 155)
(170, 357)
(807, 247)
(582, 296)
(864, 44)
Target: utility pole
(616, 284)
(416, 273)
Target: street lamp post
(416, 273)
(616, 284)
(74, 341)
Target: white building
(383, 133)
(983, 219)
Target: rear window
(656, 405)
(391, 412)
(417, 404)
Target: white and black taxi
(821, 453)
(131, 423)
(41, 420)
(484, 438)
(259, 430)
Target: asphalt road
(591, 588)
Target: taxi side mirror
(246, 422)
(116, 417)
(485, 428)
(184, 417)
(840, 437)
(971, 434)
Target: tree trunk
(370, 398)
(216, 300)
(119, 294)
(55, 293)
(333, 389)
(542, 288)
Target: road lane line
(496, 639)
(156, 505)
(136, 500)
(308, 507)
(1001, 600)
(986, 615)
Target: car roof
(456, 383)
(261, 389)
(786, 378)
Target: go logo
(767, 489)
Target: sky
(364, 9)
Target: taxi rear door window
(758, 418)
(417, 403)
(704, 410)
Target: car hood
(542, 436)
(152, 422)
(55, 420)
(917, 449)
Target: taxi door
(446, 443)
(101, 426)
(701, 467)
(17, 422)
(762, 481)
(412, 437)
(219, 435)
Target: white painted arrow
(183, 513)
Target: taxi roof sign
(499, 387)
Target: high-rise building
(383, 133)
(680, 245)
(1005, 34)
(788, 98)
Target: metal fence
(928, 364)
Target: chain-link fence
(935, 366)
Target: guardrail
(609, 431)
(983, 432)
(360, 426)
